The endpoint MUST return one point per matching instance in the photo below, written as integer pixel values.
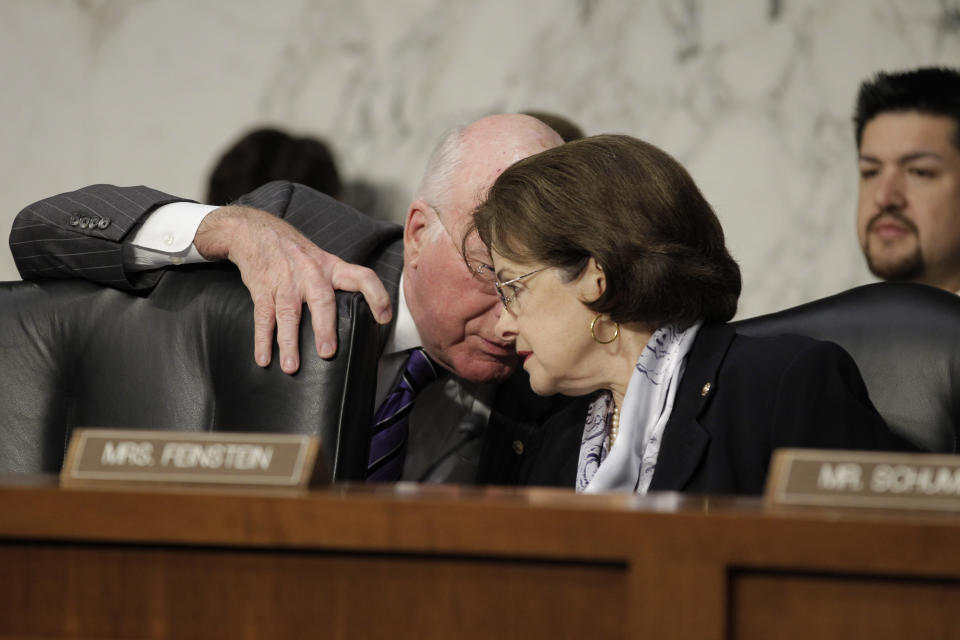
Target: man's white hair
(436, 187)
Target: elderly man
(908, 136)
(437, 300)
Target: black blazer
(763, 393)
(80, 234)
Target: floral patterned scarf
(629, 465)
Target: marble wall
(753, 96)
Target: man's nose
(890, 192)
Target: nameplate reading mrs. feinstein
(97, 456)
(872, 479)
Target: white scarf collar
(647, 405)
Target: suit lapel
(685, 441)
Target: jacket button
(74, 220)
(103, 223)
(705, 390)
(518, 447)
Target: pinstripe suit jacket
(81, 234)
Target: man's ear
(592, 282)
(415, 232)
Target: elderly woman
(617, 286)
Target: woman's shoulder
(784, 343)
(790, 368)
(779, 351)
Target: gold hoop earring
(593, 332)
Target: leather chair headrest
(181, 358)
(905, 338)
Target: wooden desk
(449, 562)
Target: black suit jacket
(763, 393)
(80, 234)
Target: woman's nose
(506, 328)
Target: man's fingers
(323, 315)
(263, 324)
(288, 331)
(283, 270)
(351, 277)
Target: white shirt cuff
(166, 236)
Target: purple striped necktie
(388, 444)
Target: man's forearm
(80, 234)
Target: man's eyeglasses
(510, 302)
(482, 272)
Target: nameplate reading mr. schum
(873, 479)
(129, 455)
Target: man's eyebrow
(478, 254)
(919, 155)
(909, 157)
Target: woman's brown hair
(634, 209)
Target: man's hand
(283, 269)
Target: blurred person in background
(267, 154)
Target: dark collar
(685, 441)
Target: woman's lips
(524, 355)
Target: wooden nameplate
(868, 479)
(134, 456)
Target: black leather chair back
(905, 338)
(180, 358)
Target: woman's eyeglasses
(510, 302)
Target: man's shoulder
(332, 225)
(294, 200)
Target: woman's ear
(592, 282)
(415, 232)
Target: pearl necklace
(614, 427)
